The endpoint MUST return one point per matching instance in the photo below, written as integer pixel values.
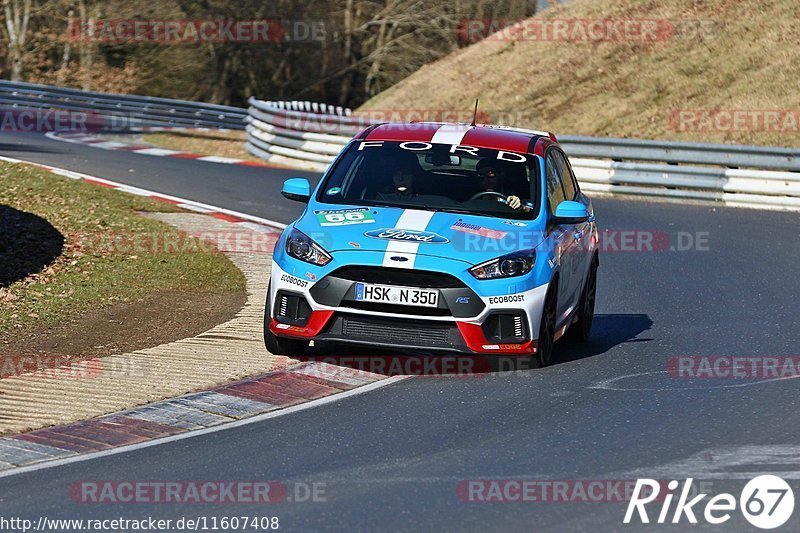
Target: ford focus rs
(437, 237)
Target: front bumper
(463, 322)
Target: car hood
(471, 239)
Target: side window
(555, 191)
(570, 186)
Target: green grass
(86, 278)
(226, 144)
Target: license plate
(367, 292)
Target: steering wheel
(489, 193)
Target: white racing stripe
(411, 219)
(450, 134)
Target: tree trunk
(87, 46)
(66, 55)
(17, 14)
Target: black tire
(279, 345)
(547, 327)
(582, 329)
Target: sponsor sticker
(344, 217)
(511, 346)
(294, 281)
(289, 327)
(512, 298)
(515, 223)
(474, 229)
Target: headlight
(508, 266)
(300, 246)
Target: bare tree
(66, 54)
(18, 15)
(366, 46)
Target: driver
(403, 181)
(493, 179)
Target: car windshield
(439, 177)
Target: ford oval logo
(399, 258)
(407, 235)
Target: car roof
(479, 136)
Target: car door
(562, 239)
(582, 232)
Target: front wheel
(279, 345)
(547, 327)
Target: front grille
(396, 309)
(398, 276)
(395, 331)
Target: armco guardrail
(728, 155)
(304, 134)
(309, 135)
(121, 112)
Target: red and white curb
(95, 142)
(251, 400)
(299, 387)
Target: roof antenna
(475, 113)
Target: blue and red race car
(437, 237)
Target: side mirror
(297, 189)
(569, 212)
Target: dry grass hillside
(732, 67)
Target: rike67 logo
(767, 502)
